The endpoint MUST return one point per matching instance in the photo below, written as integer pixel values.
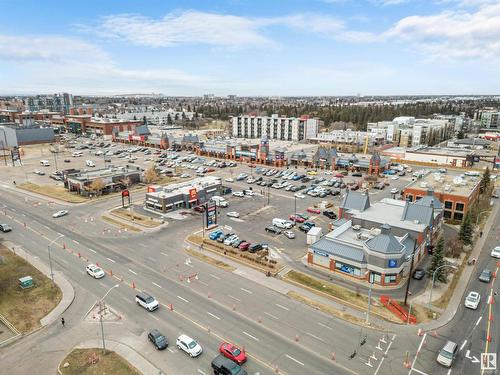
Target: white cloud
(388, 2)
(194, 27)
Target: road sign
(488, 361)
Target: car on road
(485, 276)
(394, 190)
(233, 214)
(313, 210)
(472, 300)
(296, 218)
(418, 274)
(146, 301)
(95, 272)
(232, 352)
(225, 366)
(272, 229)
(330, 214)
(289, 234)
(495, 253)
(5, 228)
(159, 341)
(299, 195)
(447, 354)
(60, 213)
(238, 194)
(188, 345)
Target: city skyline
(298, 48)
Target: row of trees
(98, 185)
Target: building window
(418, 198)
(459, 206)
(447, 214)
(390, 279)
(458, 216)
(448, 205)
(375, 277)
(410, 197)
(348, 269)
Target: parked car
(255, 247)
(95, 272)
(238, 194)
(39, 172)
(188, 345)
(272, 229)
(299, 195)
(485, 276)
(357, 174)
(306, 227)
(289, 234)
(296, 218)
(233, 214)
(330, 214)
(313, 210)
(225, 366)
(236, 244)
(60, 213)
(146, 301)
(394, 190)
(244, 246)
(232, 352)
(5, 228)
(159, 341)
(447, 354)
(472, 300)
(216, 234)
(418, 274)
(495, 253)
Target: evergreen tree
(437, 261)
(465, 233)
(485, 180)
(460, 135)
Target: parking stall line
(315, 337)
(155, 284)
(75, 241)
(246, 291)
(164, 254)
(293, 359)
(282, 307)
(236, 299)
(249, 335)
(95, 252)
(183, 299)
(170, 350)
(201, 372)
(129, 270)
(325, 326)
(202, 283)
(463, 345)
(156, 318)
(111, 260)
(213, 315)
(271, 315)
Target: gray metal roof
(339, 249)
(355, 200)
(418, 212)
(385, 242)
(339, 222)
(426, 200)
(409, 244)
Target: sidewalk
(129, 354)
(68, 293)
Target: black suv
(273, 229)
(158, 340)
(330, 214)
(255, 247)
(224, 366)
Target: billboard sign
(211, 213)
(193, 195)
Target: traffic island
(120, 224)
(135, 218)
(52, 191)
(24, 305)
(94, 361)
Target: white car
(95, 272)
(472, 300)
(250, 180)
(394, 190)
(495, 253)
(229, 179)
(238, 194)
(289, 234)
(249, 193)
(233, 214)
(394, 178)
(299, 195)
(188, 345)
(60, 213)
(185, 175)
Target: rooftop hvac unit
(356, 227)
(375, 231)
(447, 188)
(423, 184)
(364, 236)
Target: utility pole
(409, 273)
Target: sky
(250, 47)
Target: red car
(339, 175)
(210, 170)
(313, 210)
(199, 208)
(296, 218)
(232, 352)
(244, 246)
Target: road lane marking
(478, 321)
(416, 355)
(135, 273)
(282, 307)
(449, 372)
(271, 315)
(111, 260)
(293, 359)
(463, 345)
(170, 350)
(163, 254)
(385, 355)
(246, 291)
(155, 284)
(420, 372)
(215, 277)
(95, 252)
(151, 259)
(154, 317)
(249, 335)
(325, 326)
(315, 337)
(236, 299)
(183, 299)
(213, 315)
(64, 261)
(189, 265)
(75, 241)
(201, 372)
(202, 282)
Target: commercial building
(457, 193)
(13, 135)
(100, 126)
(112, 178)
(275, 127)
(349, 140)
(375, 242)
(162, 199)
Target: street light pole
(100, 315)
(50, 257)
(268, 192)
(369, 303)
(409, 273)
(434, 279)
(295, 211)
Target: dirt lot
(24, 308)
(94, 362)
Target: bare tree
(150, 175)
(97, 185)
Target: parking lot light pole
(50, 257)
(434, 279)
(369, 300)
(100, 315)
(295, 211)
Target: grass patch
(24, 308)
(120, 224)
(80, 363)
(135, 217)
(210, 260)
(443, 301)
(52, 191)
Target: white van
(281, 223)
(77, 154)
(89, 163)
(45, 163)
(219, 201)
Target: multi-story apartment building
(275, 127)
(490, 119)
(57, 103)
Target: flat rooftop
(449, 183)
(441, 151)
(99, 173)
(184, 187)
